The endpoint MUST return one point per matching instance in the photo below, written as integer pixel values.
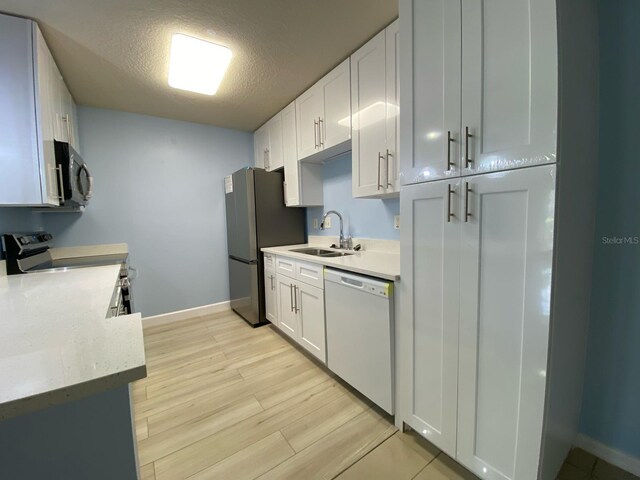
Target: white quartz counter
(379, 264)
(56, 343)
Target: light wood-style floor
(225, 401)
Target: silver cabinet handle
(271, 278)
(467, 189)
(467, 136)
(449, 192)
(60, 184)
(389, 154)
(295, 296)
(320, 132)
(380, 158)
(449, 140)
(315, 133)
(291, 296)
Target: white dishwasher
(359, 318)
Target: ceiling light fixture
(197, 65)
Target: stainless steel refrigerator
(256, 218)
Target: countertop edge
(21, 406)
(328, 263)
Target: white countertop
(379, 264)
(56, 343)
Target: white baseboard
(614, 457)
(186, 314)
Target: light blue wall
(368, 218)
(611, 402)
(159, 188)
(16, 219)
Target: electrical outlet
(396, 222)
(327, 222)
(315, 224)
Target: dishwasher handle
(351, 282)
(358, 282)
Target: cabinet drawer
(310, 273)
(269, 261)
(286, 266)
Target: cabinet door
(67, 115)
(310, 306)
(58, 89)
(428, 328)
(275, 152)
(290, 157)
(509, 83)
(308, 113)
(335, 121)
(505, 295)
(260, 141)
(431, 74)
(20, 183)
(47, 85)
(392, 39)
(368, 119)
(288, 317)
(271, 296)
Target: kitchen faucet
(344, 243)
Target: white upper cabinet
(392, 37)
(275, 152)
(260, 146)
(268, 145)
(302, 181)
(35, 103)
(374, 102)
(290, 156)
(430, 56)
(308, 112)
(505, 299)
(479, 83)
(428, 330)
(509, 83)
(335, 122)
(323, 116)
(368, 99)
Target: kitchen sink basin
(321, 252)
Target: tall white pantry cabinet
(498, 140)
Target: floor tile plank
(336, 451)
(264, 455)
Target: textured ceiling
(115, 53)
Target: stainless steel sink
(321, 252)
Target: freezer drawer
(244, 289)
(359, 320)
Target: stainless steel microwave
(75, 183)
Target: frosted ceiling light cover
(197, 65)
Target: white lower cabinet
(474, 332)
(271, 296)
(310, 305)
(429, 295)
(301, 306)
(288, 316)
